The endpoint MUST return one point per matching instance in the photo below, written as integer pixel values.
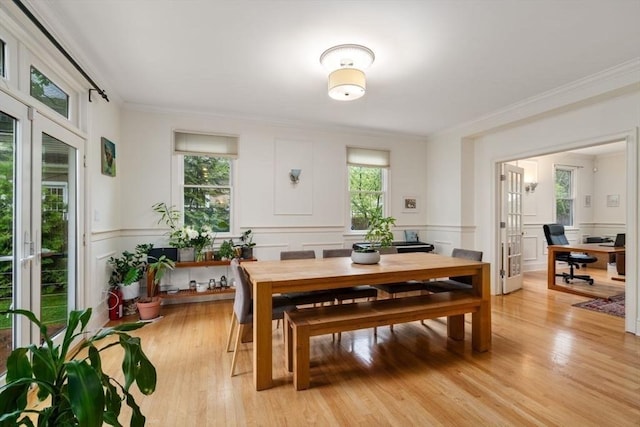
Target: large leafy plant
(80, 392)
(129, 267)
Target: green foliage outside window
(47, 92)
(366, 193)
(207, 192)
(564, 196)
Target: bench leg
(455, 327)
(301, 362)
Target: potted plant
(79, 392)
(378, 235)
(149, 307)
(246, 243)
(190, 241)
(226, 250)
(128, 269)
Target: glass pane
(203, 170)
(563, 183)
(564, 211)
(365, 179)
(207, 206)
(363, 207)
(366, 195)
(57, 231)
(47, 92)
(7, 143)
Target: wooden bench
(301, 325)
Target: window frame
(177, 177)
(369, 158)
(572, 196)
(183, 186)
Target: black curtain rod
(61, 49)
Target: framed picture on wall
(108, 156)
(409, 204)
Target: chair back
(554, 233)
(286, 255)
(388, 250)
(336, 253)
(242, 299)
(466, 254)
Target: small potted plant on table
(378, 235)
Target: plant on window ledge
(80, 393)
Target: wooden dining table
(274, 277)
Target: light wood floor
(550, 364)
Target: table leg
(551, 268)
(262, 339)
(481, 319)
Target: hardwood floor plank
(550, 364)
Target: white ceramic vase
(365, 257)
(131, 291)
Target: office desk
(272, 277)
(588, 248)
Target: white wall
(103, 205)
(594, 120)
(146, 158)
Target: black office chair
(554, 233)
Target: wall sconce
(294, 175)
(530, 187)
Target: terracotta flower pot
(150, 309)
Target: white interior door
(511, 228)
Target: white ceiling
(438, 63)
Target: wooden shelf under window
(188, 293)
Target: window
(565, 194)
(207, 164)
(47, 92)
(367, 185)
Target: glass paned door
(58, 232)
(15, 257)
(7, 143)
(511, 228)
(55, 216)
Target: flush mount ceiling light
(345, 64)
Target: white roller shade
(213, 145)
(368, 157)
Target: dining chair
(311, 297)
(242, 314)
(393, 289)
(458, 283)
(351, 293)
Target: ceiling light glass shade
(347, 56)
(347, 84)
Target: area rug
(613, 306)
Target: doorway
(589, 201)
(39, 194)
